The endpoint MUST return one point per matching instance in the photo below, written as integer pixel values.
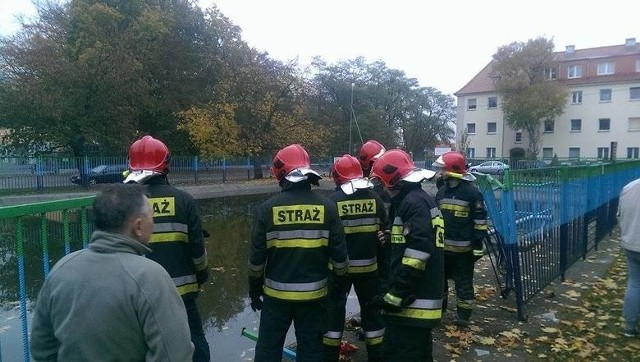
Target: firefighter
(465, 218)
(412, 304)
(362, 212)
(177, 242)
(369, 153)
(296, 235)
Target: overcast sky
(442, 43)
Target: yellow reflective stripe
(419, 313)
(437, 221)
(373, 341)
(298, 243)
(481, 227)
(360, 229)
(392, 299)
(455, 208)
(362, 269)
(457, 249)
(331, 342)
(414, 263)
(187, 288)
(289, 295)
(169, 237)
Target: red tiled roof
(483, 83)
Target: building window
(491, 152)
(471, 128)
(576, 125)
(471, 104)
(493, 102)
(606, 68)
(634, 124)
(632, 152)
(551, 73)
(471, 152)
(605, 95)
(547, 153)
(576, 97)
(574, 71)
(519, 137)
(549, 125)
(604, 124)
(574, 152)
(634, 93)
(603, 153)
(638, 65)
(492, 127)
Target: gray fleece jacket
(109, 303)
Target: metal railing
(546, 219)
(38, 235)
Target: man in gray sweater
(109, 302)
(629, 214)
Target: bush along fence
(544, 220)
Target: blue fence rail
(544, 220)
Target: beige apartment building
(602, 110)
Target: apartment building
(602, 110)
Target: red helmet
(453, 163)
(149, 154)
(369, 153)
(395, 166)
(345, 169)
(291, 158)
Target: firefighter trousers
(366, 288)
(407, 343)
(201, 351)
(309, 321)
(459, 267)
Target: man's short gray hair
(117, 204)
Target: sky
(443, 44)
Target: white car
(490, 167)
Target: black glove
(202, 276)
(205, 233)
(256, 303)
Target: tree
(528, 96)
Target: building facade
(601, 117)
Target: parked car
(102, 174)
(490, 167)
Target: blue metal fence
(544, 220)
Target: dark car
(490, 167)
(102, 174)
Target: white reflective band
(363, 262)
(455, 202)
(374, 334)
(170, 226)
(294, 234)
(416, 254)
(296, 287)
(360, 222)
(185, 279)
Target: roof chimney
(570, 49)
(630, 42)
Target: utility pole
(351, 121)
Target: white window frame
(495, 127)
(551, 73)
(471, 152)
(634, 93)
(633, 152)
(605, 95)
(638, 65)
(491, 152)
(547, 153)
(578, 122)
(576, 97)
(574, 71)
(600, 124)
(552, 125)
(633, 124)
(603, 153)
(472, 104)
(492, 102)
(606, 68)
(518, 137)
(575, 150)
(469, 126)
